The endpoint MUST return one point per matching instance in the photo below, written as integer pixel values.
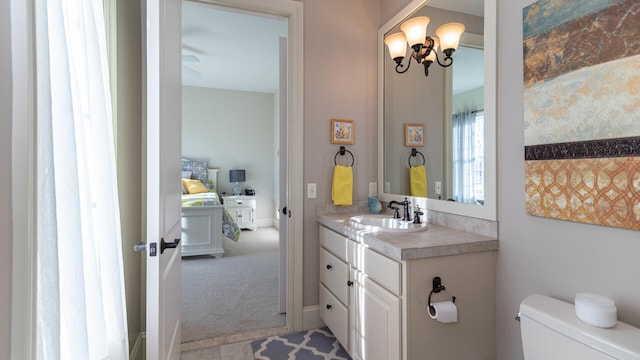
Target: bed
(204, 219)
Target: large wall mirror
(455, 108)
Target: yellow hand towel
(341, 191)
(418, 181)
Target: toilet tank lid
(621, 341)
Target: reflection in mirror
(455, 104)
(464, 124)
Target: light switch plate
(373, 189)
(311, 190)
(438, 188)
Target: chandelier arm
(448, 61)
(399, 66)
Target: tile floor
(232, 347)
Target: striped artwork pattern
(582, 111)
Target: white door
(283, 175)
(163, 98)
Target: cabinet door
(242, 215)
(335, 315)
(355, 317)
(380, 332)
(245, 215)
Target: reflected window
(468, 157)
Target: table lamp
(236, 176)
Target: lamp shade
(397, 44)
(415, 29)
(236, 175)
(449, 35)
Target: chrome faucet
(405, 204)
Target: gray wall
(233, 130)
(538, 255)
(340, 82)
(5, 182)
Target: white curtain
(81, 312)
(468, 157)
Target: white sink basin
(385, 223)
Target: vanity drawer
(334, 274)
(383, 270)
(335, 315)
(334, 242)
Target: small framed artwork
(342, 131)
(413, 135)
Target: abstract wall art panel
(582, 111)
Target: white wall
(468, 100)
(233, 130)
(539, 255)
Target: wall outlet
(373, 189)
(438, 188)
(311, 190)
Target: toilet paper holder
(436, 288)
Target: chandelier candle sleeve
(415, 30)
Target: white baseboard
(266, 222)
(311, 317)
(138, 349)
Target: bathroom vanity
(374, 288)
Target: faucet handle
(416, 217)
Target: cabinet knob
(329, 267)
(329, 306)
(349, 283)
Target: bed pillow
(186, 174)
(199, 169)
(194, 186)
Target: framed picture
(413, 135)
(342, 131)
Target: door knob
(166, 245)
(141, 246)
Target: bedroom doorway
(241, 140)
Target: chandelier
(424, 47)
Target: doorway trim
(293, 11)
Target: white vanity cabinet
(359, 297)
(374, 290)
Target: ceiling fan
(190, 59)
(189, 52)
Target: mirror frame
(488, 211)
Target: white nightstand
(242, 209)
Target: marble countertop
(436, 241)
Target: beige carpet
(235, 293)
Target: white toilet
(551, 330)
